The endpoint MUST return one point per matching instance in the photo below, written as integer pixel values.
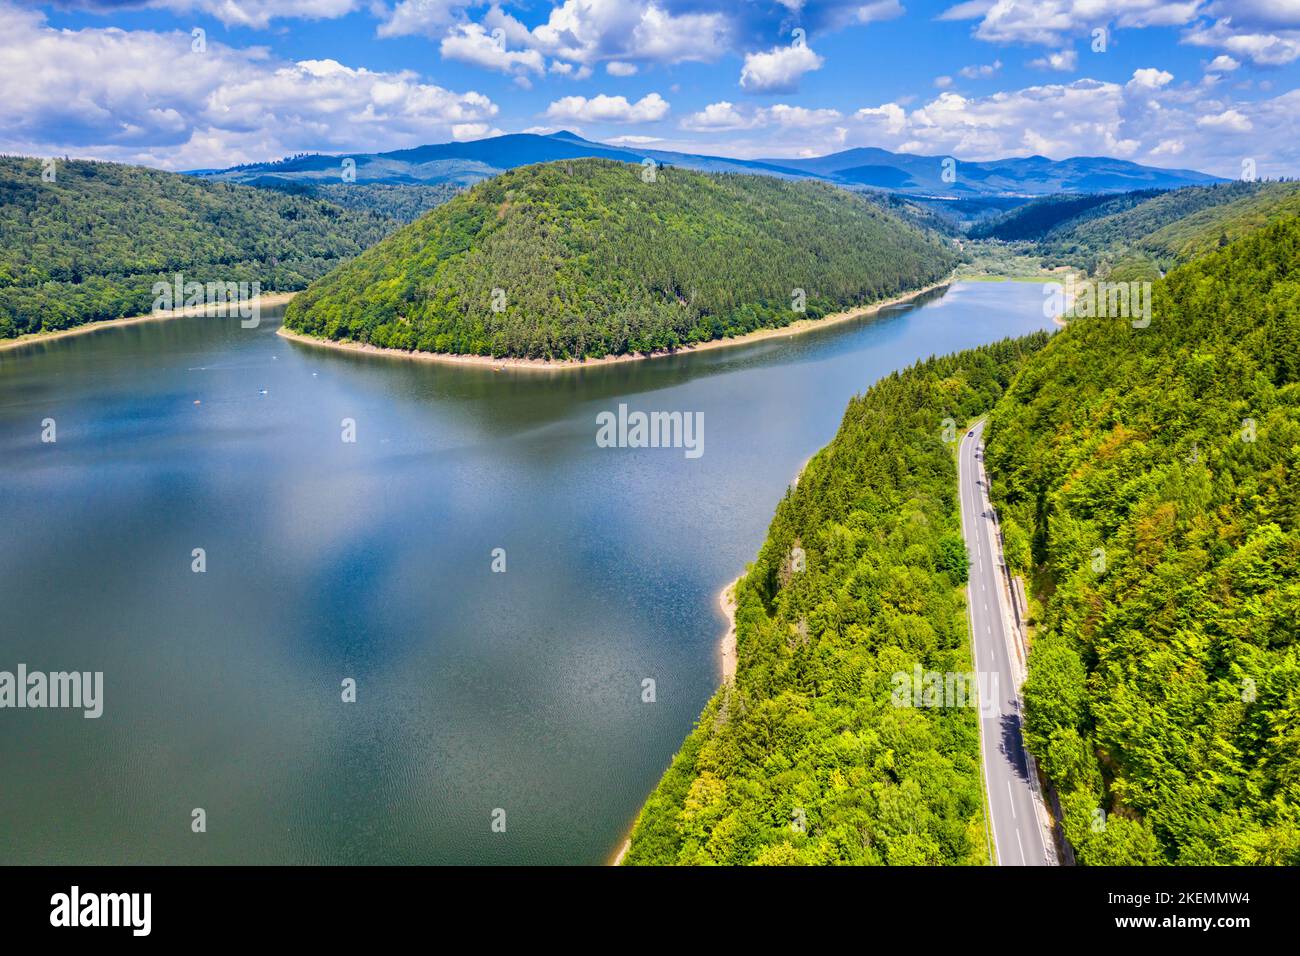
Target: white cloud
(799, 117)
(890, 117)
(467, 131)
(1222, 64)
(725, 116)
(1229, 121)
(608, 109)
(970, 10)
(587, 32)
(943, 82)
(142, 96)
(1151, 78)
(779, 69)
(420, 17)
(1167, 147)
(981, 71)
(1050, 22)
(1066, 61)
(619, 68)
(1267, 48)
(470, 43)
(256, 14)
(874, 11)
(717, 116)
(631, 140)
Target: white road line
(1012, 797)
(1022, 848)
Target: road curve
(1015, 814)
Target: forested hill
(1161, 229)
(1156, 472)
(806, 758)
(585, 258)
(90, 244)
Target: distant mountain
(1029, 176)
(865, 168)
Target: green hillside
(806, 759)
(90, 244)
(1143, 233)
(591, 260)
(404, 202)
(1156, 472)
(1036, 219)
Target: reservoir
(483, 696)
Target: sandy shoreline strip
(727, 645)
(32, 338)
(543, 365)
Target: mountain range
(465, 163)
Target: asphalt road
(1013, 807)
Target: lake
(373, 560)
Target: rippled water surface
(325, 560)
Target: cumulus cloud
(1243, 39)
(608, 109)
(718, 116)
(1051, 22)
(889, 118)
(583, 33)
(470, 43)
(981, 71)
(256, 14)
(1222, 64)
(421, 17)
(1147, 119)
(725, 116)
(1229, 121)
(147, 97)
(799, 117)
(779, 69)
(1065, 61)
(1151, 78)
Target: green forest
(403, 202)
(1143, 233)
(585, 258)
(1149, 481)
(90, 244)
(805, 759)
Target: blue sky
(1205, 84)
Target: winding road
(1015, 808)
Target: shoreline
(727, 661)
(547, 365)
(267, 299)
(727, 652)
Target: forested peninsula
(591, 258)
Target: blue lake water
(372, 560)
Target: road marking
(1012, 797)
(1022, 848)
